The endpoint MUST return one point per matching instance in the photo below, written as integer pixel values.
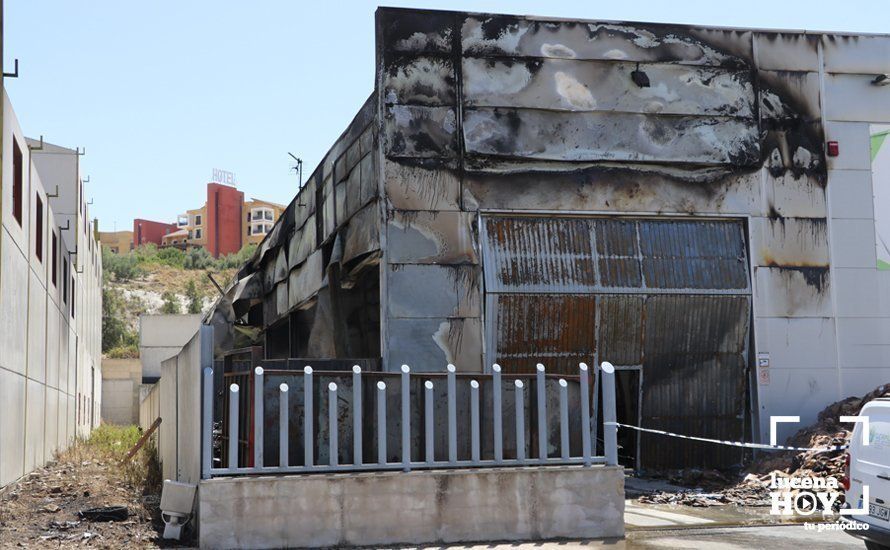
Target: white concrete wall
(46, 356)
(121, 379)
(386, 508)
(176, 399)
(162, 336)
(841, 346)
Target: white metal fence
(223, 446)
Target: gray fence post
(308, 417)
(233, 426)
(540, 386)
(564, 418)
(429, 436)
(406, 418)
(474, 420)
(520, 422)
(585, 413)
(356, 415)
(207, 399)
(258, 422)
(498, 413)
(610, 429)
(381, 422)
(452, 415)
(283, 427)
(333, 444)
(207, 424)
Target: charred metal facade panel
(668, 301)
(533, 190)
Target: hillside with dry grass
(151, 280)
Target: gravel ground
(42, 509)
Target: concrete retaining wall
(412, 508)
(161, 337)
(176, 399)
(121, 379)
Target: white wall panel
(853, 97)
(796, 392)
(786, 51)
(858, 382)
(864, 342)
(857, 54)
(62, 421)
(52, 345)
(35, 414)
(857, 292)
(789, 293)
(36, 330)
(71, 432)
(63, 354)
(797, 343)
(51, 432)
(884, 293)
(13, 306)
(854, 143)
(791, 196)
(789, 241)
(853, 243)
(12, 426)
(850, 193)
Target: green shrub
(115, 332)
(198, 258)
(172, 257)
(194, 297)
(122, 267)
(123, 352)
(146, 253)
(237, 259)
(171, 303)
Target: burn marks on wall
(503, 35)
(609, 136)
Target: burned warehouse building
(690, 204)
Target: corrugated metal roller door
(670, 297)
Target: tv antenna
(297, 167)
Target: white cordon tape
(732, 443)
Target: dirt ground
(42, 509)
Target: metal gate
(668, 299)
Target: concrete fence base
(368, 509)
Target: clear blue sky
(160, 92)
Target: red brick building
(147, 231)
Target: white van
(869, 465)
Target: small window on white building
(197, 233)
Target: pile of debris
(86, 497)
(712, 488)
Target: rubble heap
(712, 488)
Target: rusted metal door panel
(701, 255)
(540, 254)
(554, 329)
(618, 251)
(583, 255)
(620, 333)
(671, 297)
(694, 377)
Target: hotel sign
(221, 176)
